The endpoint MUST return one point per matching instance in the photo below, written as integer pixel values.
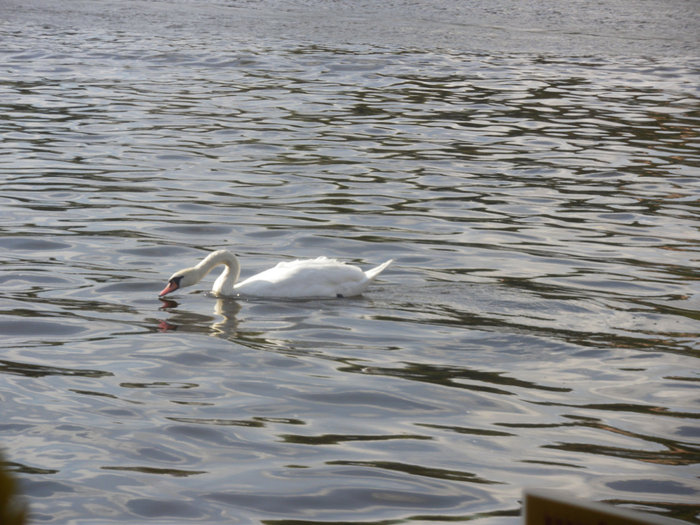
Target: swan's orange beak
(171, 287)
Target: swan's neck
(232, 269)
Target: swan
(320, 277)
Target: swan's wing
(321, 277)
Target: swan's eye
(177, 280)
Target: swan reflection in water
(222, 323)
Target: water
(534, 173)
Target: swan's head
(179, 280)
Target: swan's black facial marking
(339, 295)
(176, 281)
(173, 284)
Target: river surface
(533, 168)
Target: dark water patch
(158, 471)
(173, 509)
(89, 393)
(462, 430)
(455, 377)
(417, 470)
(46, 489)
(25, 327)
(201, 434)
(689, 431)
(31, 244)
(359, 500)
(127, 287)
(652, 486)
(376, 399)
(16, 467)
(332, 439)
(676, 456)
(220, 422)
(641, 408)
(160, 385)
(197, 229)
(32, 370)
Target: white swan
(321, 277)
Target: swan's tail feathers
(371, 274)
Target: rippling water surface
(539, 327)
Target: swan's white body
(321, 277)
